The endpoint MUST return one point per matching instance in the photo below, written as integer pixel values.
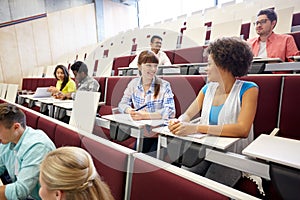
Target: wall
(45, 41)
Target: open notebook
(42, 92)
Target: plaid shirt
(136, 96)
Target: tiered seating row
(114, 162)
(277, 107)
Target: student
(22, 149)
(68, 173)
(155, 44)
(151, 91)
(269, 44)
(64, 83)
(227, 105)
(85, 82)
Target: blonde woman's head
(69, 173)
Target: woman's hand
(52, 89)
(137, 115)
(182, 128)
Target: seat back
(114, 91)
(12, 90)
(118, 62)
(110, 163)
(185, 90)
(146, 176)
(47, 126)
(84, 110)
(4, 90)
(188, 55)
(290, 108)
(31, 119)
(66, 137)
(266, 117)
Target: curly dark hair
(232, 54)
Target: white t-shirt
(262, 50)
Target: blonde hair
(71, 170)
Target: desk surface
(68, 105)
(126, 119)
(276, 149)
(209, 140)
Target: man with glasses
(155, 44)
(269, 44)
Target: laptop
(42, 92)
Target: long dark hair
(66, 75)
(150, 57)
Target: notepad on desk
(42, 92)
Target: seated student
(155, 44)
(269, 44)
(148, 90)
(22, 149)
(64, 83)
(85, 82)
(68, 173)
(227, 105)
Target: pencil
(140, 108)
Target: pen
(140, 108)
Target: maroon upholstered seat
(66, 137)
(31, 119)
(110, 163)
(114, 93)
(118, 62)
(290, 108)
(185, 90)
(189, 55)
(151, 182)
(47, 126)
(268, 103)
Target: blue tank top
(215, 110)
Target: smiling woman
(150, 92)
(227, 105)
(64, 82)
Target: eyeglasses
(261, 22)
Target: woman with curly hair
(227, 105)
(68, 173)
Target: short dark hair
(80, 67)
(232, 54)
(10, 114)
(66, 77)
(155, 37)
(270, 13)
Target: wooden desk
(137, 127)
(276, 149)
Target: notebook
(42, 92)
